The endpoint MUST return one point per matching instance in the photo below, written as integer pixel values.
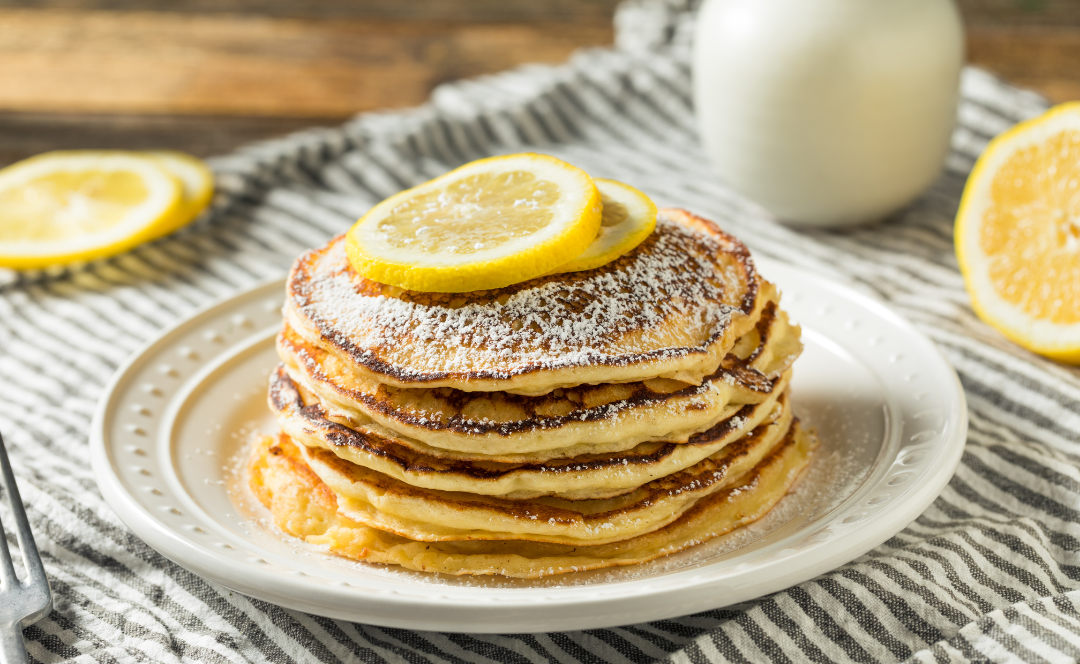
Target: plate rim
(519, 606)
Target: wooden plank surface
(209, 75)
(1043, 58)
(156, 62)
(458, 11)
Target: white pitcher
(827, 112)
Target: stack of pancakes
(572, 422)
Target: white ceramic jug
(827, 112)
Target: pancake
(587, 476)
(671, 308)
(427, 515)
(563, 423)
(303, 506)
(575, 421)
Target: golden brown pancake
(303, 506)
(563, 423)
(575, 421)
(433, 516)
(671, 308)
(586, 476)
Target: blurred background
(206, 76)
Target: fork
(21, 602)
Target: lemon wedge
(628, 217)
(488, 224)
(61, 207)
(197, 188)
(1018, 234)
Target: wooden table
(209, 75)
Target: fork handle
(12, 650)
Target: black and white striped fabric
(991, 572)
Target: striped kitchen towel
(988, 573)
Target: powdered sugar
(669, 298)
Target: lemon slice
(197, 182)
(489, 224)
(1018, 234)
(61, 207)
(628, 217)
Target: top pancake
(671, 308)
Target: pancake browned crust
(563, 423)
(585, 476)
(671, 308)
(303, 506)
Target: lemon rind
(197, 188)
(604, 250)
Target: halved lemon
(1018, 234)
(61, 207)
(197, 183)
(489, 224)
(627, 218)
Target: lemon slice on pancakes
(1018, 234)
(61, 207)
(628, 217)
(489, 224)
(197, 188)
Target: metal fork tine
(31, 558)
(23, 602)
(7, 570)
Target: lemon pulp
(72, 202)
(1031, 230)
(478, 212)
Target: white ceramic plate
(168, 437)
